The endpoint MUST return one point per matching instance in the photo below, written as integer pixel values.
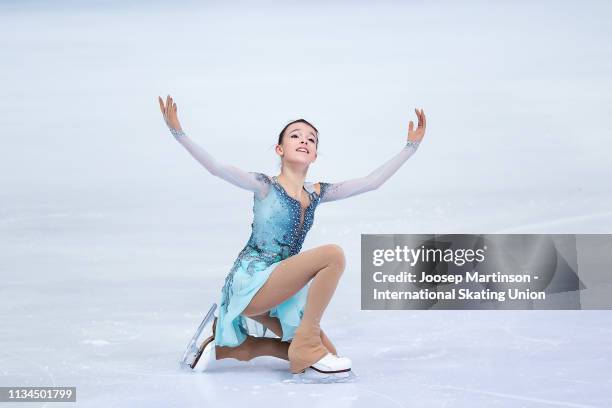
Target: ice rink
(114, 241)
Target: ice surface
(114, 242)
(107, 301)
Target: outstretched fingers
(161, 105)
(171, 110)
(422, 120)
(420, 117)
(164, 109)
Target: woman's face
(299, 144)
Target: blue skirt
(248, 277)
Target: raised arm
(349, 188)
(227, 172)
(238, 177)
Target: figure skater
(271, 281)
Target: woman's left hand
(417, 135)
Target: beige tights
(324, 265)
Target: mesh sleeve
(349, 188)
(256, 182)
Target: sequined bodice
(280, 223)
(279, 227)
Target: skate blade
(200, 351)
(192, 352)
(310, 376)
(189, 357)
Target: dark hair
(280, 136)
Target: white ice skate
(202, 342)
(330, 368)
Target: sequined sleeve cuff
(410, 143)
(176, 133)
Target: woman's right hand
(169, 112)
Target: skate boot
(196, 345)
(311, 361)
(329, 369)
(306, 347)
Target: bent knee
(335, 254)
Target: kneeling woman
(269, 279)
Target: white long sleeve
(238, 177)
(349, 188)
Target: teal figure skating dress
(279, 227)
